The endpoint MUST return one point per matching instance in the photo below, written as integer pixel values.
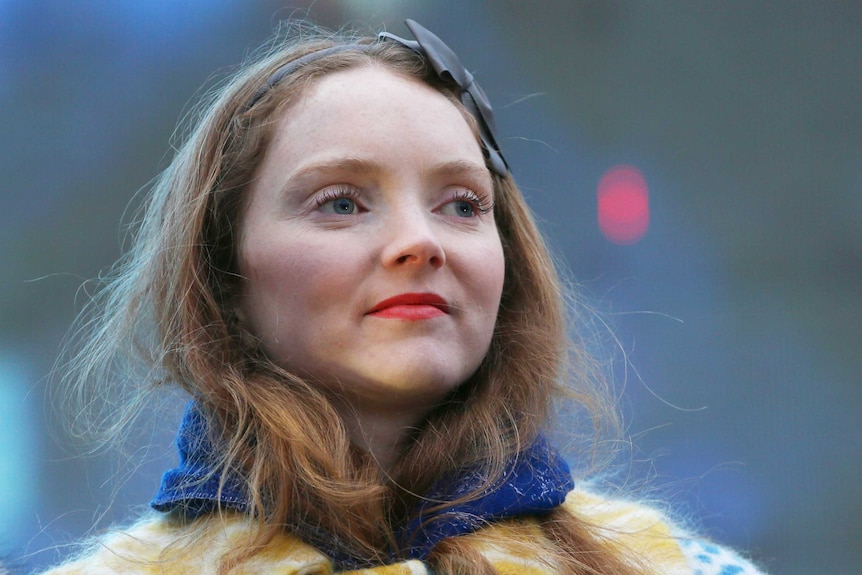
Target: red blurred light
(623, 205)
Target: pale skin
(374, 188)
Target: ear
(231, 306)
(239, 314)
(238, 324)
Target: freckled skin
(374, 186)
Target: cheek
(493, 269)
(288, 280)
(487, 270)
(269, 271)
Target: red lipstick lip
(410, 299)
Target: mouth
(411, 306)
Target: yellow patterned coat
(149, 547)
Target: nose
(412, 241)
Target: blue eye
(461, 208)
(465, 204)
(341, 206)
(339, 200)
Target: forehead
(374, 81)
(374, 108)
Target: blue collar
(535, 482)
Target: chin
(405, 388)
(438, 384)
(435, 386)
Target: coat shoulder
(160, 545)
(651, 533)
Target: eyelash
(335, 193)
(481, 204)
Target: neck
(382, 432)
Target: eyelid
(483, 202)
(334, 192)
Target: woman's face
(370, 258)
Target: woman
(340, 271)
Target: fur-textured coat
(156, 545)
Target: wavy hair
(167, 317)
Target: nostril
(413, 245)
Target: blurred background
(697, 167)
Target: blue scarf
(535, 482)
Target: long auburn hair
(172, 301)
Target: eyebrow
(352, 165)
(457, 167)
(363, 166)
